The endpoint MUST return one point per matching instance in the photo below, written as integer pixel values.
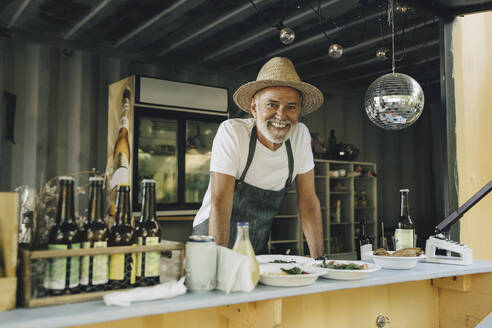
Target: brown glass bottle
(62, 274)
(94, 270)
(148, 233)
(122, 266)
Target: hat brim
(312, 97)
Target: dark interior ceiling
(235, 37)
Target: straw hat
(279, 71)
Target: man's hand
(310, 212)
(222, 194)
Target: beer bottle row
(65, 275)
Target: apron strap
(290, 157)
(251, 153)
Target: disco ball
(287, 35)
(335, 51)
(394, 101)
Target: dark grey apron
(254, 205)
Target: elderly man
(255, 160)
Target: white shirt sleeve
(305, 158)
(225, 150)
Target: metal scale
(439, 249)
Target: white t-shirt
(269, 169)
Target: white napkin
(125, 298)
(233, 271)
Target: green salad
(294, 270)
(282, 261)
(342, 266)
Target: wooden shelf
(344, 229)
(286, 216)
(287, 241)
(175, 218)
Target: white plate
(301, 260)
(349, 274)
(397, 262)
(270, 274)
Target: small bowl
(397, 262)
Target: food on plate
(343, 266)
(294, 270)
(282, 261)
(404, 252)
(291, 271)
(381, 252)
(409, 252)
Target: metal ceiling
(234, 38)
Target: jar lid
(200, 238)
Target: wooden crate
(9, 212)
(30, 298)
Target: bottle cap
(96, 179)
(242, 224)
(200, 238)
(148, 181)
(124, 187)
(404, 190)
(66, 180)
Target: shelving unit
(344, 200)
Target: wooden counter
(430, 295)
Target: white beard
(273, 135)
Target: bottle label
(139, 258)
(403, 238)
(84, 265)
(117, 267)
(152, 259)
(100, 265)
(365, 251)
(74, 268)
(56, 269)
(133, 268)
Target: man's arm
(310, 211)
(222, 194)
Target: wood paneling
(472, 49)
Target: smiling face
(276, 110)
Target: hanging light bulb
(382, 54)
(287, 35)
(401, 8)
(394, 101)
(335, 51)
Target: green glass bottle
(62, 274)
(94, 270)
(148, 233)
(122, 266)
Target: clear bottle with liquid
(364, 243)
(405, 230)
(243, 245)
